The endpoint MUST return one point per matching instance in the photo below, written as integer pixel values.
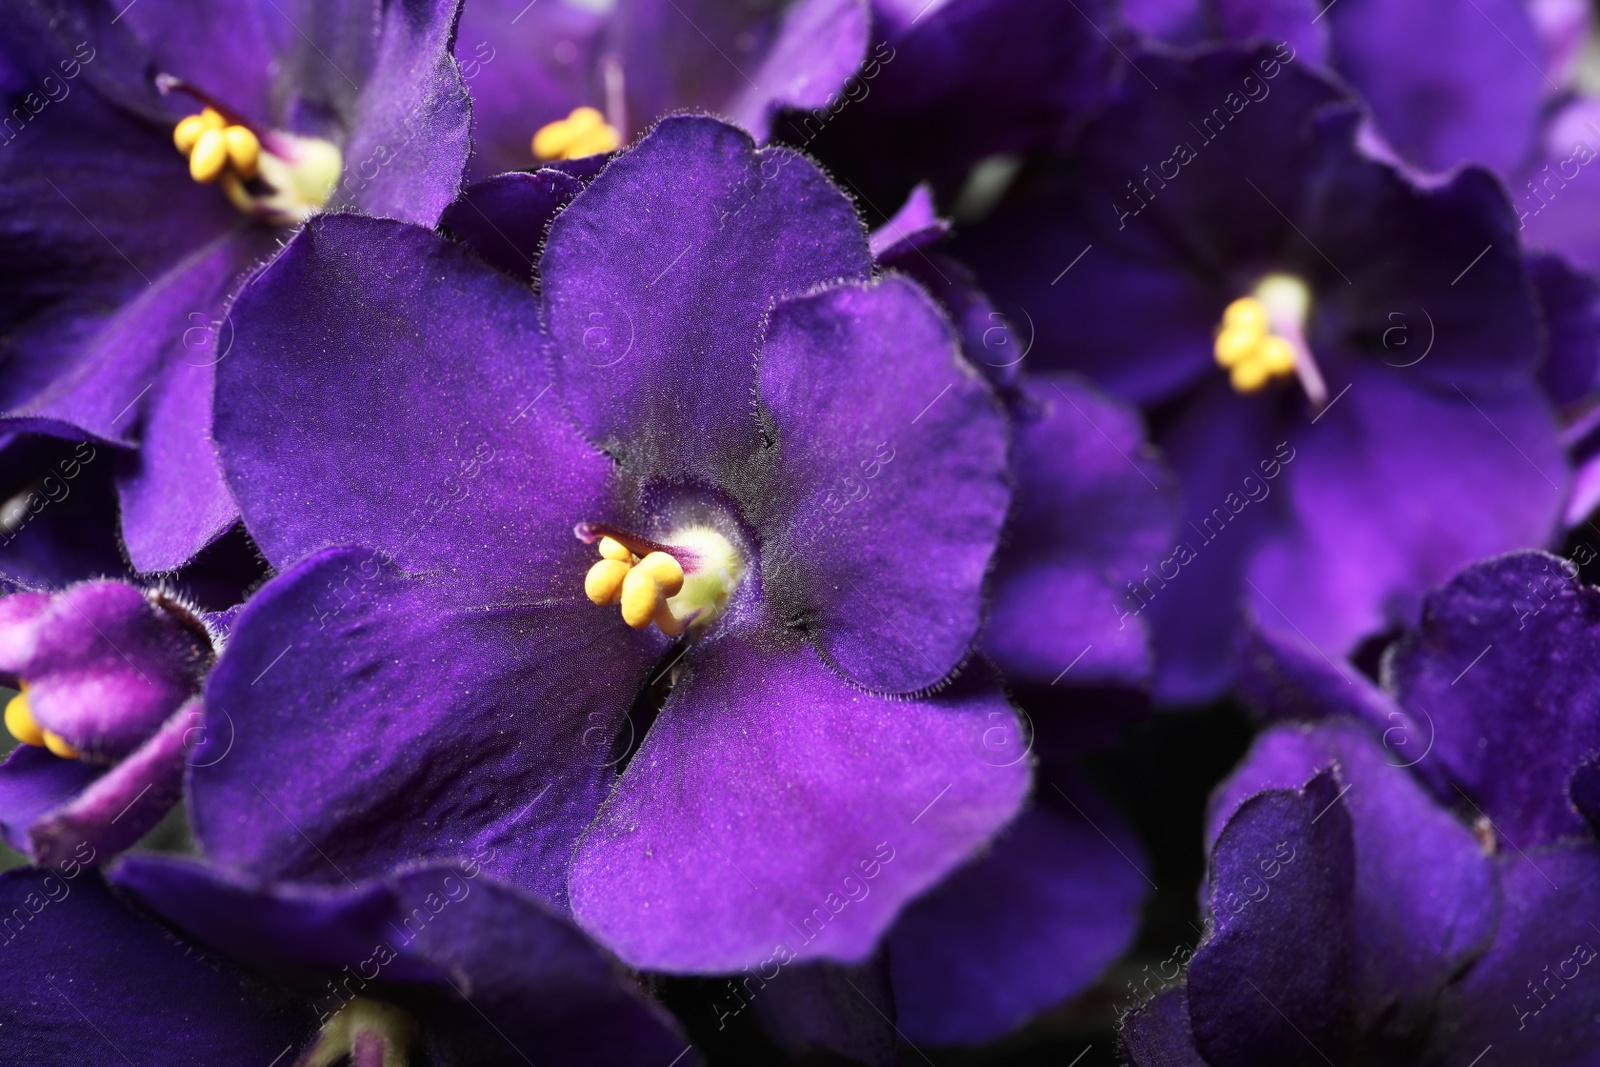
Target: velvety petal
(116, 809)
(1552, 192)
(889, 467)
(174, 501)
(34, 783)
(659, 279)
(525, 65)
(1569, 304)
(363, 718)
(1533, 995)
(1507, 664)
(1447, 82)
(1031, 922)
(1296, 22)
(1281, 676)
(1584, 789)
(21, 614)
(1271, 984)
(1160, 1035)
(504, 218)
(658, 290)
(92, 983)
(817, 46)
(774, 812)
(1093, 507)
(1426, 898)
(1388, 512)
(108, 666)
(408, 131)
(822, 1008)
(228, 48)
(463, 471)
(58, 521)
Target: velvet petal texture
(1505, 664)
(658, 290)
(1024, 926)
(504, 218)
(92, 983)
(800, 811)
(1272, 982)
(1160, 1035)
(490, 976)
(1076, 545)
(874, 419)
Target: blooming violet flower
(1344, 371)
(459, 683)
(123, 257)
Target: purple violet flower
(109, 705)
(1376, 420)
(123, 263)
(563, 80)
(779, 458)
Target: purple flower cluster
(653, 533)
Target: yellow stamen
(603, 583)
(611, 548)
(666, 621)
(667, 572)
(20, 722)
(244, 151)
(210, 155)
(187, 132)
(1246, 346)
(57, 744)
(584, 132)
(640, 595)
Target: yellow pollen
(640, 595)
(1251, 354)
(244, 151)
(611, 548)
(20, 722)
(292, 186)
(210, 155)
(603, 583)
(584, 132)
(656, 590)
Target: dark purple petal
(889, 467)
(816, 50)
(363, 718)
(659, 279)
(323, 451)
(174, 501)
(504, 219)
(1094, 512)
(1447, 82)
(1533, 995)
(1160, 1034)
(1023, 927)
(1507, 664)
(1272, 982)
(91, 983)
(228, 48)
(58, 521)
(1426, 899)
(409, 126)
(35, 783)
(916, 224)
(774, 812)
(1569, 302)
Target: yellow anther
(1249, 377)
(212, 119)
(611, 548)
(1246, 314)
(584, 132)
(1235, 346)
(187, 132)
(1276, 355)
(666, 570)
(20, 722)
(57, 744)
(244, 151)
(603, 583)
(209, 157)
(640, 596)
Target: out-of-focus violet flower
(460, 682)
(122, 257)
(564, 80)
(1344, 369)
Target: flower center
(585, 132)
(363, 1032)
(683, 581)
(268, 174)
(21, 724)
(1262, 338)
